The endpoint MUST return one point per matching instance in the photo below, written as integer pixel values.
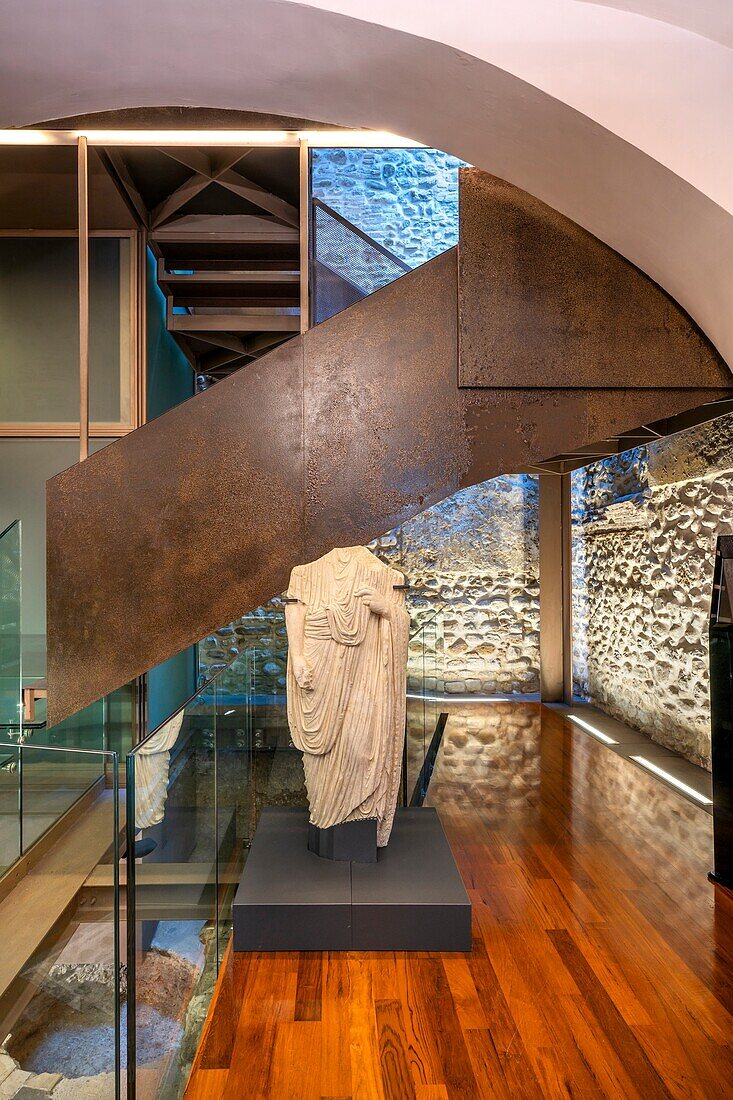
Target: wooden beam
(207, 167)
(183, 194)
(259, 196)
(117, 167)
(233, 322)
(214, 361)
(83, 239)
(195, 159)
(224, 340)
(292, 278)
(228, 228)
(262, 341)
(305, 206)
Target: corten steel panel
(382, 438)
(507, 430)
(166, 534)
(545, 303)
(332, 439)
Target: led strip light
(702, 798)
(591, 730)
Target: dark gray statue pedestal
(350, 842)
(411, 899)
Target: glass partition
(188, 812)
(11, 671)
(60, 989)
(424, 699)
(346, 264)
(39, 283)
(195, 789)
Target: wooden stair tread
(235, 322)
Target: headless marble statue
(347, 636)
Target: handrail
(360, 233)
(225, 668)
(426, 622)
(13, 523)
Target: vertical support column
(83, 238)
(305, 205)
(555, 589)
(567, 590)
(141, 289)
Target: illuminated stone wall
(644, 530)
(406, 199)
(474, 559)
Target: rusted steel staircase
(532, 340)
(224, 226)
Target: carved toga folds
(346, 685)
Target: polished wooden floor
(602, 961)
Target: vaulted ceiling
(618, 120)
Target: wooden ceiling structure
(224, 226)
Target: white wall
(619, 121)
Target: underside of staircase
(530, 340)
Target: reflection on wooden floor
(601, 962)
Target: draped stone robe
(350, 724)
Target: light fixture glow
(368, 139)
(189, 137)
(37, 137)
(591, 730)
(702, 798)
(468, 698)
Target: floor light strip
(471, 698)
(671, 779)
(592, 730)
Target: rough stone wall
(644, 530)
(406, 199)
(473, 559)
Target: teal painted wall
(170, 376)
(170, 685)
(170, 381)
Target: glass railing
(33, 796)
(189, 798)
(61, 984)
(345, 263)
(425, 663)
(11, 666)
(195, 788)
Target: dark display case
(721, 710)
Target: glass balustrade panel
(61, 1005)
(173, 870)
(11, 669)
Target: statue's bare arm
(295, 624)
(376, 603)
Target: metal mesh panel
(347, 265)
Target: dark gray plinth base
(350, 842)
(411, 899)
